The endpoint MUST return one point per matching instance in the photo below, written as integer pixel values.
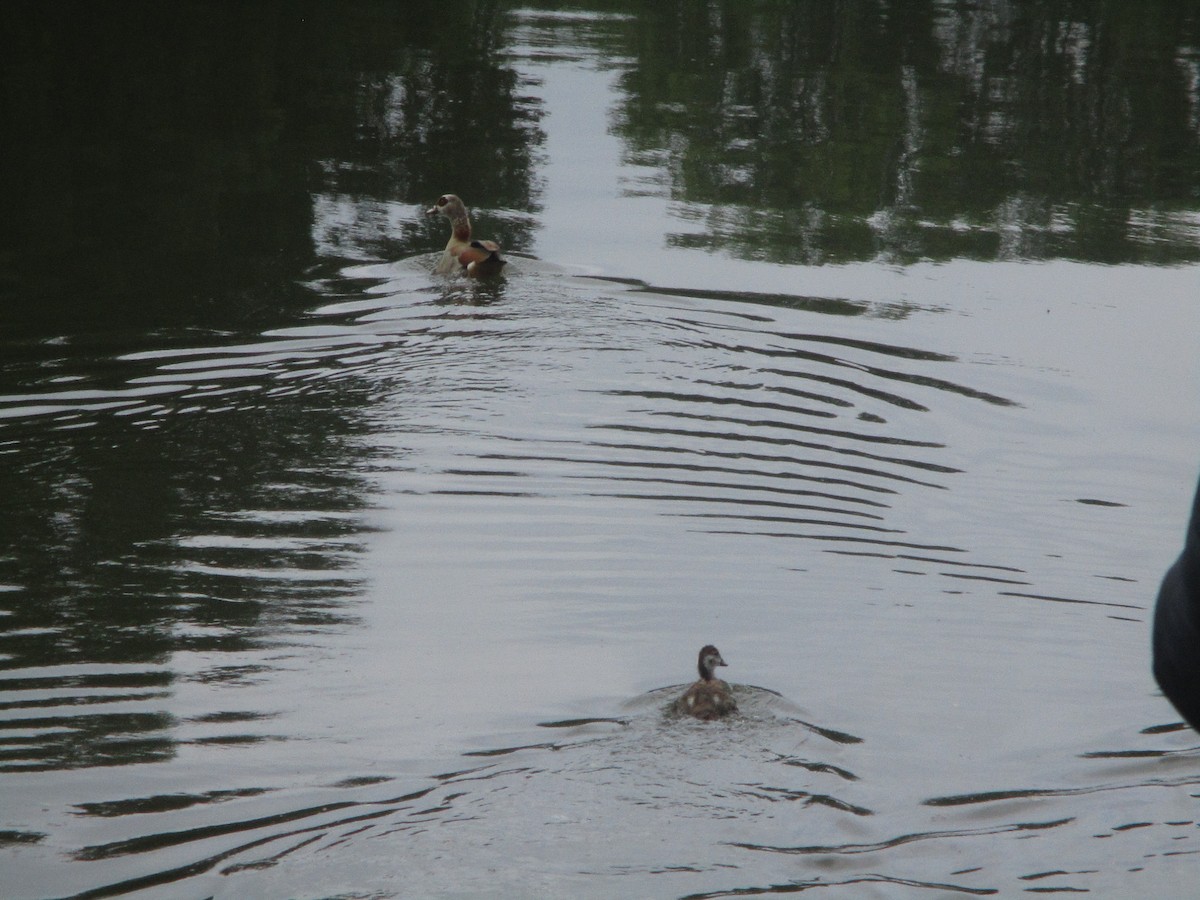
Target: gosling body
(709, 698)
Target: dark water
(860, 341)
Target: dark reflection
(94, 532)
(164, 162)
(819, 768)
(170, 172)
(796, 886)
(904, 839)
(85, 741)
(8, 838)
(123, 546)
(1026, 793)
(163, 802)
(819, 132)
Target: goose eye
(443, 200)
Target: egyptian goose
(478, 259)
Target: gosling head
(710, 658)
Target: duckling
(477, 258)
(709, 698)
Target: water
(332, 578)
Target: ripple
(899, 840)
(163, 803)
(796, 886)
(1027, 793)
(492, 423)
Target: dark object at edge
(1177, 626)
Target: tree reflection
(823, 132)
(166, 166)
(163, 160)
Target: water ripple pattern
(551, 459)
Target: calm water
(858, 341)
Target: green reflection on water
(163, 162)
(818, 132)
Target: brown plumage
(710, 697)
(478, 259)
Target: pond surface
(858, 341)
